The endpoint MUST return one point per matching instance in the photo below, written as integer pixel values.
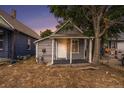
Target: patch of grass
(28, 73)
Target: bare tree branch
(106, 10)
(102, 33)
(119, 19)
(112, 23)
(86, 16)
(93, 10)
(102, 10)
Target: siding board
(45, 44)
(4, 52)
(21, 45)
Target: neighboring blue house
(16, 39)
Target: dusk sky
(36, 17)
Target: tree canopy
(45, 33)
(93, 20)
(82, 16)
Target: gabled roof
(69, 21)
(4, 26)
(17, 25)
(65, 35)
(119, 38)
(68, 30)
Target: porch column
(53, 50)
(71, 51)
(90, 51)
(85, 46)
(56, 48)
(37, 54)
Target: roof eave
(41, 39)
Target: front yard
(30, 74)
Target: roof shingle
(18, 25)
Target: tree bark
(96, 55)
(96, 50)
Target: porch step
(74, 61)
(72, 65)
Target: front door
(62, 48)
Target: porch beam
(71, 51)
(90, 51)
(53, 50)
(71, 37)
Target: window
(75, 46)
(113, 44)
(1, 41)
(29, 44)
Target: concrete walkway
(113, 63)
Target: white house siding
(45, 44)
(120, 46)
(120, 42)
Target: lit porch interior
(71, 50)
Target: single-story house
(16, 39)
(65, 46)
(117, 42)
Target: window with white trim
(1, 40)
(28, 44)
(75, 46)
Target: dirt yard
(30, 74)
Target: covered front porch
(72, 50)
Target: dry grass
(29, 74)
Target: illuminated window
(75, 46)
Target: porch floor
(74, 61)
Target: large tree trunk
(96, 50)
(96, 55)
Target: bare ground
(29, 74)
